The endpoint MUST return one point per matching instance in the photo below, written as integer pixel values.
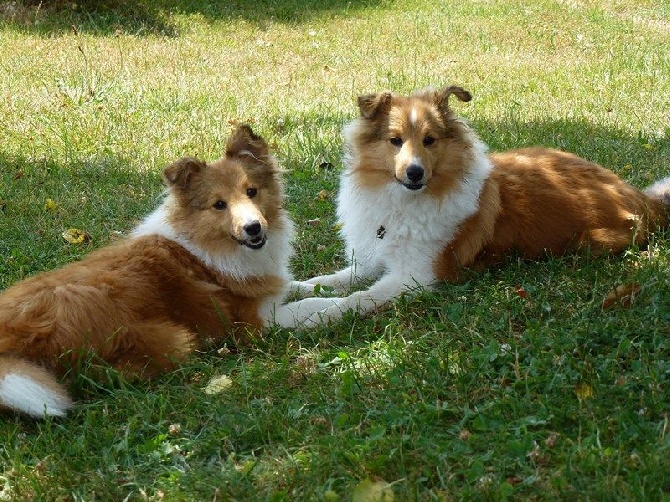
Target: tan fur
(144, 304)
(540, 201)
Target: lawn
(515, 385)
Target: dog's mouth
(253, 243)
(412, 186)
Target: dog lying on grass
(421, 199)
(211, 262)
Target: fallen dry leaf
(50, 205)
(551, 440)
(623, 295)
(218, 384)
(583, 391)
(521, 293)
(372, 491)
(76, 236)
(464, 435)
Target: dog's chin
(255, 243)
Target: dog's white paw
(303, 288)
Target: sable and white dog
(420, 199)
(210, 263)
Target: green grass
(516, 384)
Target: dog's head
(229, 202)
(415, 140)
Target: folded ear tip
(460, 93)
(180, 171)
(442, 97)
(243, 141)
(245, 129)
(371, 104)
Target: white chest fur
(390, 227)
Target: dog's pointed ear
(442, 97)
(246, 145)
(180, 173)
(372, 105)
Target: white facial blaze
(413, 117)
(417, 161)
(244, 214)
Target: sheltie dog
(420, 199)
(210, 263)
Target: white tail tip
(22, 393)
(660, 190)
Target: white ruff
(242, 263)
(20, 392)
(416, 226)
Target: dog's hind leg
(148, 349)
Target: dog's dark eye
(396, 141)
(428, 140)
(220, 205)
(251, 192)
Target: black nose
(253, 229)
(414, 173)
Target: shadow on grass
(147, 17)
(40, 199)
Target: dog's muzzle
(415, 174)
(255, 237)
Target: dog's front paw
(303, 289)
(331, 313)
(328, 288)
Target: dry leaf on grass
(218, 384)
(50, 205)
(583, 391)
(521, 293)
(372, 491)
(76, 236)
(623, 295)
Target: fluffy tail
(31, 389)
(660, 190)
